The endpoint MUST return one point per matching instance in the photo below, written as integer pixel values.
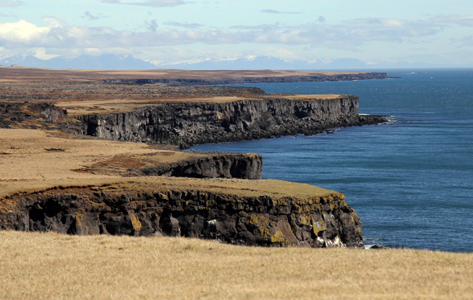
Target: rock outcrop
(147, 209)
(219, 165)
(36, 116)
(190, 123)
(199, 165)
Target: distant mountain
(345, 63)
(258, 63)
(102, 62)
(128, 62)
(24, 61)
(272, 63)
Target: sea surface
(410, 181)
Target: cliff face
(187, 124)
(199, 165)
(36, 116)
(265, 220)
(232, 165)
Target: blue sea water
(411, 181)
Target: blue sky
(174, 31)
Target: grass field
(37, 74)
(53, 266)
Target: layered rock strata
(187, 123)
(151, 208)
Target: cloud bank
(355, 32)
(180, 40)
(150, 3)
(10, 3)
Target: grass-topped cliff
(69, 184)
(181, 77)
(59, 174)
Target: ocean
(410, 181)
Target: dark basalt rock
(187, 124)
(42, 115)
(244, 166)
(324, 221)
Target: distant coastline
(182, 77)
(261, 79)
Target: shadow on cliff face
(187, 124)
(319, 221)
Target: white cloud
(454, 19)
(272, 11)
(150, 3)
(378, 29)
(184, 25)
(41, 54)
(54, 22)
(10, 3)
(171, 41)
(281, 53)
(21, 32)
(355, 33)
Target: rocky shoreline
(148, 187)
(188, 124)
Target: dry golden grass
(314, 97)
(109, 106)
(52, 266)
(37, 74)
(33, 160)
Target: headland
(72, 163)
(182, 77)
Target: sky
(178, 31)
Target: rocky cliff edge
(54, 181)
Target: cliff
(179, 77)
(264, 215)
(82, 185)
(39, 159)
(190, 123)
(95, 182)
(191, 164)
(307, 77)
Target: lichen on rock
(145, 210)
